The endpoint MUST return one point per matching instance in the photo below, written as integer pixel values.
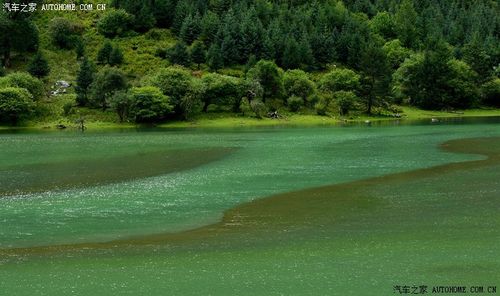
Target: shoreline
(230, 120)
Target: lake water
(346, 210)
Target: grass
(96, 119)
(227, 120)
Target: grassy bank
(95, 120)
(409, 113)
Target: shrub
(23, 80)
(191, 102)
(490, 92)
(345, 101)
(222, 90)
(121, 103)
(297, 84)
(68, 108)
(294, 103)
(174, 82)
(245, 107)
(63, 32)
(340, 79)
(149, 104)
(324, 106)
(15, 103)
(258, 108)
(115, 23)
(106, 83)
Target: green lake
(339, 210)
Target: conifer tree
(79, 49)
(83, 81)
(198, 53)
(179, 54)
(104, 53)
(39, 67)
(191, 28)
(214, 57)
(116, 56)
(405, 23)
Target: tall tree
(215, 59)
(376, 75)
(405, 20)
(198, 53)
(84, 79)
(17, 33)
(179, 54)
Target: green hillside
(164, 61)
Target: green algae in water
(373, 233)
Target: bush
(222, 90)
(15, 103)
(490, 92)
(115, 23)
(106, 83)
(297, 84)
(434, 81)
(174, 82)
(325, 105)
(340, 79)
(258, 108)
(67, 108)
(149, 104)
(191, 102)
(23, 80)
(245, 107)
(345, 101)
(294, 103)
(64, 33)
(121, 103)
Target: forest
(160, 60)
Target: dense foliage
(329, 57)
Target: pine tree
(376, 74)
(198, 53)
(79, 49)
(209, 26)
(83, 81)
(190, 29)
(291, 57)
(179, 54)
(405, 20)
(144, 18)
(104, 53)
(476, 56)
(215, 59)
(116, 56)
(39, 67)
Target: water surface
(352, 210)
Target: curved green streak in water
(431, 220)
